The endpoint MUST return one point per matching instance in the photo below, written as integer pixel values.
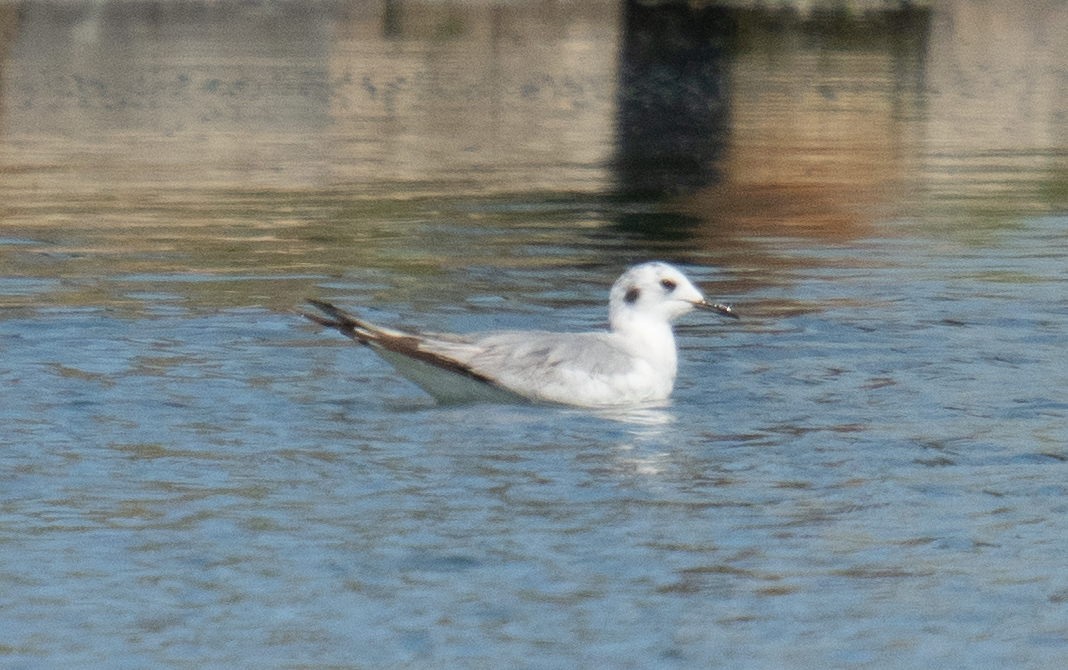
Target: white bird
(633, 363)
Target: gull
(633, 363)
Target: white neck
(650, 338)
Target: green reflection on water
(273, 247)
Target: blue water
(875, 480)
(868, 470)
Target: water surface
(867, 471)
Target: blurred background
(223, 137)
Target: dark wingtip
(325, 307)
(334, 318)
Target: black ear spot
(632, 295)
(668, 284)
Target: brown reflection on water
(301, 140)
(952, 117)
(823, 128)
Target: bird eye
(668, 284)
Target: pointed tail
(339, 320)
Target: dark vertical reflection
(392, 19)
(747, 119)
(673, 97)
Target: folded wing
(575, 368)
(445, 377)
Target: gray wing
(538, 364)
(573, 368)
(412, 355)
